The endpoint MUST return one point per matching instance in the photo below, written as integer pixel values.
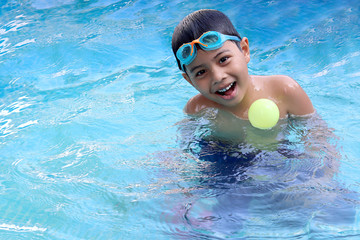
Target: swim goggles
(208, 41)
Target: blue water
(94, 143)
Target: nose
(218, 75)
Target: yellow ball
(263, 114)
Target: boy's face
(221, 75)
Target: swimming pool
(94, 143)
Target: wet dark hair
(199, 22)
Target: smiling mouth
(227, 91)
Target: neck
(241, 109)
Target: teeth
(225, 89)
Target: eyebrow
(201, 65)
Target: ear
(244, 44)
(187, 78)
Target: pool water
(94, 143)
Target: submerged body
(244, 174)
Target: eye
(223, 59)
(200, 73)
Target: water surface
(94, 143)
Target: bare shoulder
(295, 99)
(198, 103)
(281, 85)
(283, 82)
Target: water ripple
(89, 145)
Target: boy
(214, 58)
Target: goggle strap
(193, 43)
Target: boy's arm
(319, 138)
(297, 101)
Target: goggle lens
(185, 53)
(209, 39)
